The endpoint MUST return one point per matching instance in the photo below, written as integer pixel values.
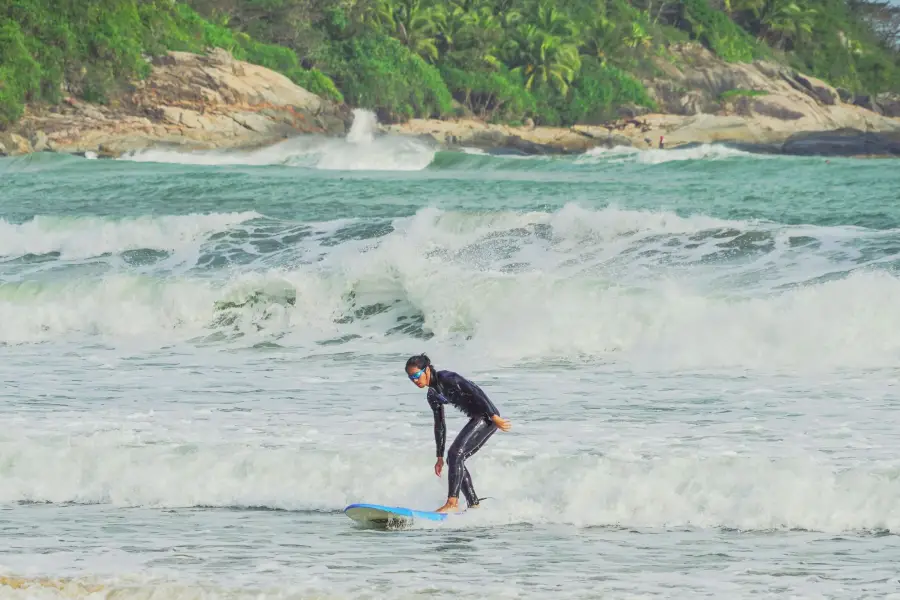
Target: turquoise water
(202, 363)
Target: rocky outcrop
(12, 143)
(474, 133)
(696, 81)
(703, 99)
(213, 101)
(888, 104)
(843, 142)
(189, 100)
(752, 133)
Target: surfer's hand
(439, 466)
(501, 422)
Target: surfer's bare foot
(451, 505)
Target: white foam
(607, 153)
(85, 237)
(360, 150)
(141, 307)
(682, 488)
(643, 288)
(655, 156)
(701, 152)
(363, 128)
(850, 322)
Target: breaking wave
(628, 285)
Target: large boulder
(192, 101)
(843, 142)
(696, 81)
(889, 103)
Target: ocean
(202, 362)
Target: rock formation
(191, 101)
(214, 101)
(703, 99)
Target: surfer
(447, 387)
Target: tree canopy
(554, 61)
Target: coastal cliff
(189, 101)
(760, 106)
(213, 101)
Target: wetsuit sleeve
(440, 430)
(480, 398)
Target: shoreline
(116, 138)
(113, 138)
(241, 106)
(860, 136)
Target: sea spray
(359, 150)
(362, 131)
(634, 286)
(683, 489)
(85, 237)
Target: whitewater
(202, 364)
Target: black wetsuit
(447, 387)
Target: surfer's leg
(472, 437)
(468, 490)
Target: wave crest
(617, 490)
(649, 288)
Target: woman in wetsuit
(447, 387)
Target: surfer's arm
(440, 430)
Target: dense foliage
(88, 48)
(555, 61)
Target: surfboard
(378, 515)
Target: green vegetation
(830, 39)
(89, 48)
(553, 61)
(737, 93)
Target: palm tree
(467, 37)
(551, 20)
(410, 21)
(543, 59)
(786, 21)
(778, 21)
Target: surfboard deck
(391, 517)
